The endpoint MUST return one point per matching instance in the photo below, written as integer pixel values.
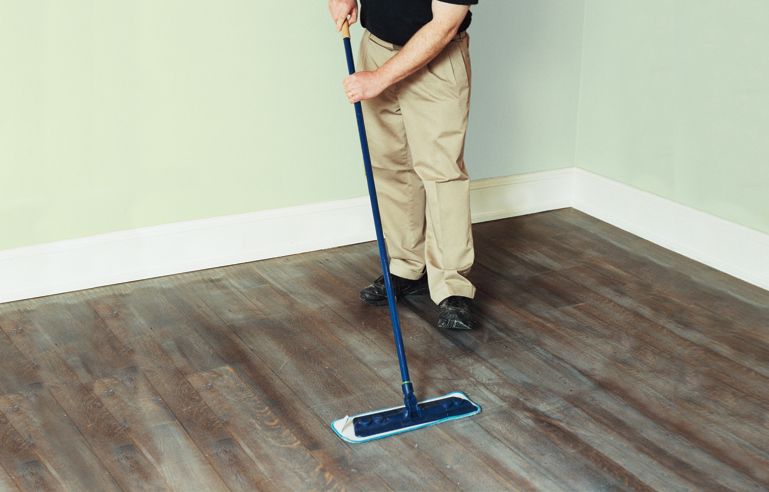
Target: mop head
(397, 420)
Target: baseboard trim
(148, 252)
(511, 196)
(126, 256)
(137, 254)
(731, 248)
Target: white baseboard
(732, 248)
(138, 254)
(179, 247)
(511, 196)
(148, 252)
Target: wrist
(385, 76)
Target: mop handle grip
(346, 29)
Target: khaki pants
(416, 132)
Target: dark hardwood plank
(189, 348)
(602, 362)
(451, 379)
(6, 482)
(22, 462)
(166, 371)
(745, 345)
(359, 343)
(263, 432)
(33, 411)
(301, 372)
(612, 369)
(133, 401)
(60, 361)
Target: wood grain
(602, 361)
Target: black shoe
(376, 295)
(456, 313)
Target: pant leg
(435, 103)
(400, 191)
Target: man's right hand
(342, 9)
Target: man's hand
(364, 85)
(342, 9)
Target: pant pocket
(442, 66)
(463, 62)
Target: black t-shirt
(395, 21)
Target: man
(414, 81)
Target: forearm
(425, 45)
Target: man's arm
(425, 45)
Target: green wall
(116, 115)
(674, 100)
(119, 115)
(526, 67)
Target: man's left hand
(364, 85)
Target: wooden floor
(601, 362)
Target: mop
(411, 415)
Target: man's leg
(435, 104)
(400, 191)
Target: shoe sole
(383, 301)
(371, 302)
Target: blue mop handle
(408, 388)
